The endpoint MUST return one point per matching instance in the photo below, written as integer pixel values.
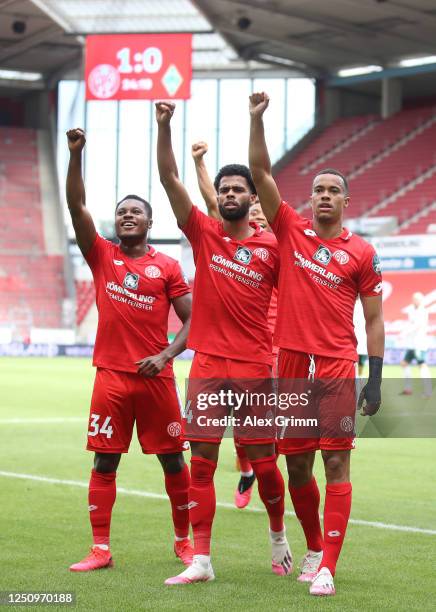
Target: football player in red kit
(236, 269)
(323, 268)
(135, 287)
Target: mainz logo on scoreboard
(138, 66)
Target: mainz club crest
(104, 81)
(261, 253)
(174, 429)
(341, 257)
(152, 272)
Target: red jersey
(232, 290)
(318, 286)
(133, 297)
(272, 311)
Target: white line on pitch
(137, 493)
(42, 421)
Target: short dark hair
(131, 196)
(235, 170)
(333, 171)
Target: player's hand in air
(164, 112)
(198, 150)
(76, 139)
(371, 392)
(151, 366)
(258, 104)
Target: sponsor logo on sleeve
(243, 255)
(118, 262)
(322, 255)
(309, 232)
(152, 272)
(262, 253)
(174, 429)
(376, 264)
(131, 281)
(341, 257)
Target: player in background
(416, 335)
(135, 287)
(229, 333)
(247, 477)
(323, 269)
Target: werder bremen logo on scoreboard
(323, 255)
(243, 255)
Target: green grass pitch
(43, 411)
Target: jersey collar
(150, 253)
(345, 235)
(257, 228)
(257, 232)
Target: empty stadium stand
(32, 285)
(85, 298)
(391, 166)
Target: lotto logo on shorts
(262, 253)
(341, 257)
(152, 272)
(174, 429)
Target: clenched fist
(164, 112)
(258, 104)
(76, 139)
(198, 150)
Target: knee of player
(299, 469)
(172, 463)
(106, 462)
(336, 466)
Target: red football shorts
(335, 402)
(121, 398)
(211, 375)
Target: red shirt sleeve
(284, 216)
(370, 278)
(93, 255)
(194, 226)
(177, 284)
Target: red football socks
(101, 498)
(177, 488)
(336, 514)
(244, 462)
(202, 503)
(271, 489)
(306, 504)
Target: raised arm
(375, 334)
(260, 164)
(169, 175)
(207, 190)
(82, 221)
